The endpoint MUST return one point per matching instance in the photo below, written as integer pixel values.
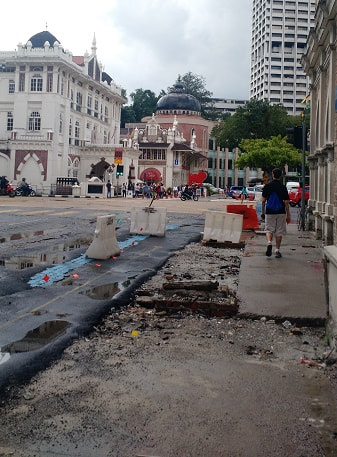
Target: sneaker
(269, 250)
(278, 255)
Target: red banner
(118, 159)
(150, 174)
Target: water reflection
(103, 292)
(56, 256)
(38, 337)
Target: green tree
(257, 119)
(196, 85)
(127, 115)
(144, 103)
(267, 154)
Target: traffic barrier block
(148, 221)
(104, 245)
(250, 219)
(221, 227)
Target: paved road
(47, 237)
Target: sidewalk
(289, 288)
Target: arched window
(11, 86)
(70, 130)
(77, 133)
(36, 83)
(60, 124)
(78, 101)
(73, 167)
(34, 121)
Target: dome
(39, 39)
(177, 99)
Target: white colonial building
(59, 114)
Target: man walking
(108, 189)
(275, 211)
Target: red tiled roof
(79, 60)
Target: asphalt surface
(59, 230)
(85, 290)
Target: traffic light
(120, 170)
(294, 137)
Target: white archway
(4, 165)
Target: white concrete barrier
(148, 221)
(221, 226)
(104, 245)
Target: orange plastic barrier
(250, 219)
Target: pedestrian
(243, 194)
(3, 183)
(108, 189)
(275, 211)
(137, 190)
(124, 190)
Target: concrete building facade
(320, 63)
(59, 113)
(279, 33)
(173, 143)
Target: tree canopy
(196, 85)
(144, 103)
(267, 153)
(257, 119)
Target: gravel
(154, 383)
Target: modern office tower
(279, 34)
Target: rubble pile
(189, 283)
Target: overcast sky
(146, 43)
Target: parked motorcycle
(7, 190)
(189, 194)
(25, 191)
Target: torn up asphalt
(130, 377)
(25, 308)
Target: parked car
(295, 196)
(211, 190)
(292, 186)
(251, 191)
(258, 192)
(235, 191)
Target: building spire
(93, 47)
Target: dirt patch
(179, 384)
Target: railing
(31, 138)
(64, 186)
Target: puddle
(56, 256)
(4, 356)
(54, 274)
(104, 292)
(57, 273)
(37, 338)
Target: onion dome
(39, 39)
(178, 100)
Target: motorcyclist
(25, 187)
(3, 184)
